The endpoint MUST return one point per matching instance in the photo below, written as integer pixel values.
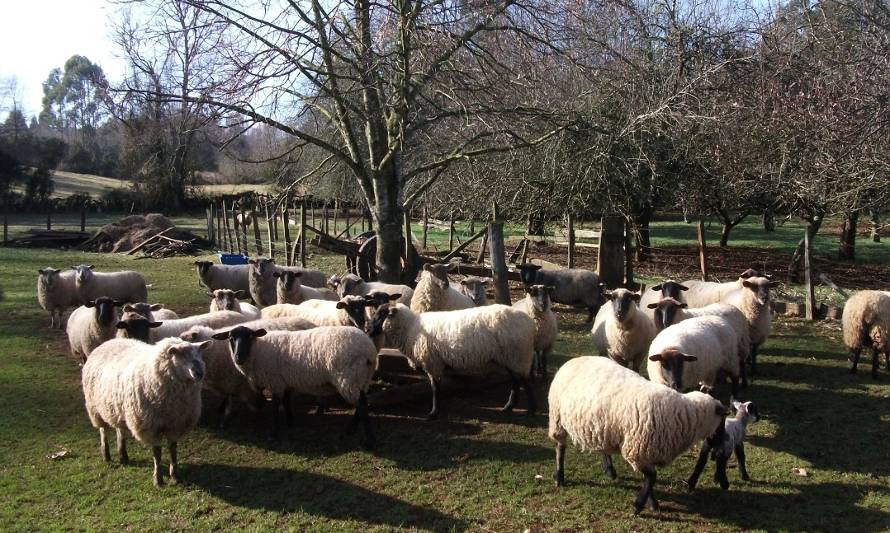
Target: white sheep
(434, 293)
(289, 290)
(229, 300)
(133, 325)
(213, 277)
(127, 286)
(708, 343)
(150, 311)
(701, 293)
(352, 285)
(262, 283)
(536, 304)
(753, 300)
(866, 323)
(474, 288)
(90, 325)
(154, 391)
(621, 331)
(733, 441)
(574, 286)
(349, 311)
(466, 341)
(606, 408)
(217, 319)
(56, 292)
(316, 361)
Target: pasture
(475, 469)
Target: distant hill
(68, 183)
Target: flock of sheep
(144, 367)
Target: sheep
(150, 311)
(229, 300)
(669, 311)
(289, 290)
(667, 289)
(217, 319)
(709, 342)
(56, 292)
(262, 283)
(133, 325)
(474, 288)
(349, 311)
(621, 331)
(701, 293)
(90, 325)
(213, 277)
(467, 340)
(311, 362)
(573, 286)
(350, 284)
(127, 286)
(753, 300)
(606, 408)
(434, 293)
(154, 391)
(733, 441)
(537, 305)
(866, 323)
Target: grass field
(474, 470)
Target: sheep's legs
(753, 359)
(156, 454)
(608, 468)
(225, 409)
(560, 476)
(173, 462)
(591, 312)
(699, 465)
(740, 457)
(720, 471)
(743, 373)
(645, 495)
(514, 392)
(530, 394)
(276, 405)
(875, 362)
(854, 357)
(361, 417)
(122, 447)
(103, 445)
(288, 412)
(434, 410)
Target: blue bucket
(232, 259)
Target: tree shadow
(283, 491)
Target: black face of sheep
(203, 267)
(261, 266)
(49, 275)
(528, 273)
(439, 273)
(666, 312)
(622, 302)
(142, 308)
(240, 341)
(104, 309)
(348, 285)
(746, 409)
(474, 287)
(355, 309)
(754, 273)
(670, 289)
(83, 272)
(672, 362)
(137, 327)
(377, 298)
(760, 287)
(540, 297)
(375, 324)
(288, 278)
(188, 365)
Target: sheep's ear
(341, 305)
(426, 267)
(735, 404)
(276, 274)
(463, 282)
(394, 297)
(156, 307)
(91, 303)
(607, 295)
(684, 305)
(90, 267)
(220, 336)
(635, 297)
(683, 287)
(655, 357)
(127, 308)
(118, 303)
(656, 288)
(652, 306)
(689, 358)
(240, 294)
(41, 270)
(172, 351)
(121, 325)
(393, 311)
(204, 345)
(251, 261)
(259, 333)
(747, 284)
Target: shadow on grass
(287, 491)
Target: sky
(39, 35)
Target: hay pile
(129, 232)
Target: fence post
(610, 256)
(498, 261)
(258, 242)
(702, 247)
(325, 214)
(451, 233)
(270, 231)
(313, 212)
(426, 224)
(244, 220)
(629, 256)
(808, 277)
(303, 232)
(571, 243)
(336, 215)
(346, 214)
(219, 230)
(407, 216)
(225, 216)
(83, 219)
(481, 257)
(288, 259)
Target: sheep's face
(288, 280)
(474, 288)
(333, 283)
(623, 302)
(672, 362)
(103, 307)
(438, 274)
(528, 273)
(377, 298)
(746, 410)
(226, 299)
(354, 306)
(203, 268)
(540, 297)
(142, 308)
(49, 276)
(262, 267)
(753, 273)
(135, 326)
(83, 273)
(241, 340)
(196, 334)
(374, 328)
(666, 312)
(760, 287)
(186, 360)
(670, 289)
(349, 284)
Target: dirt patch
(129, 232)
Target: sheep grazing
(154, 391)
(262, 282)
(352, 285)
(667, 289)
(733, 441)
(536, 304)
(229, 300)
(434, 292)
(289, 290)
(218, 319)
(150, 311)
(574, 286)
(134, 325)
(866, 323)
(314, 361)
(466, 341)
(213, 277)
(753, 300)
(702, 293)
(90, 325)
(56, 292)
(697, 351)
(606, 408)
(473, 287)
(127, 286)
(349, 311)
(621, 331)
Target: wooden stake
(808, 276)
(302, 237)
(426, 224)
(451, 233)
(481, 257)
(571, 231)
(244, 218)
(498, 261)
(257, 241)
(219, 231)
(288, 255)
(225, 214)
(336, 214)
(702, 247)
(270, 232)
(83, 219)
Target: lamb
(606, 408)
(56, 292)
(213, 277)
(350, 284)
(710, 342)
(150, 311)
(467, 340)
(289, 290)
(229, 300)
(621, 331)
(667, 289)
(866, 323)
(90, 325)
(733, 441)
(753, 300)
(349, 311)
(573, 286)
(262, 283)
(702, 293)
(218, 319)
(536, 304)
(127, 286)
(154, 391)
(312, 362)
(133, 325)
(434, 293)
(473, 287)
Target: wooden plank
(466, 243)
(257, 241)
(498, 259)
(302, 238)
(702, 249)
(808, 277)
(149, 240)
(571, 239)
(288, 245)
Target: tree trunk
(769, 219)
(847, 249)
(875, 225)
(795, 269)
(724, 234)
(642, 233)
(389, 222)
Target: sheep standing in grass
(474, 288)
(127, 286)
(90, 325)
(753, 300)
(352, 285)
(56, 292)
(213, 277)
(289, 290)
(621, 331)
(262, 282)
(536, 304)
(229, 300)
(218, 319)
(434, 292)
(866, 323)
(606, 408)
(466, 341)
(150, 311)
(701, 293)
(573, 286)
(349, 311)
(733, 441)
(154, 391)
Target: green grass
(474, 470)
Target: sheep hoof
(125, 460)
(559, 478)
(638, 507)
(158, 480)
(653, 503)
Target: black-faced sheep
(434, 291)
(56, 292)
(574, 286)
(621, 331)
(127, 286)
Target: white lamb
(154, 391)
(352, 285)
(621, 331)
(90, 325)
(229, 300)
(466, 341)
(56, 292)
(536, 304)
(127, 286)
(434, 293)
(218, 319)
(289, 290)
(606, 408)
(733, 441)
(213, 277)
